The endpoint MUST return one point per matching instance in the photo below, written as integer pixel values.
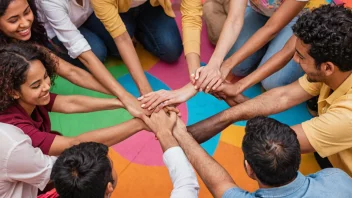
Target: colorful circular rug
(138, 160)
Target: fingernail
(200, 89)
(149, 108)
(143, 105)
(192, 75)
(197, 78)
(195, 87)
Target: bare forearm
(268, 103)
(113, 135)
(130, 58)
(228, 37)
(212, 173)
(193, 62)
(100, 72)
(166, 140)
(257, 41)
(79, 77)
(84, 104)
(274, 64)
(108, 136)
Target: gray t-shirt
(23, 169)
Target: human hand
(133, 106)
(230, 90)
(161, 121)
(208, 78)
(159, 99)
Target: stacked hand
(207, 78)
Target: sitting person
(26, 74)
(16, 150)
(323, 50)
(73, 27)
(85, 170)
(19, 22)
(271, 157)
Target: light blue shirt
(331, 182)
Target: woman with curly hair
(26, 74)
(19, 22)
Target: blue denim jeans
(253, 21)
(156, 31)
(97, 36)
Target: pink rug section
(142, 148)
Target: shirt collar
(341, 90)
(283, 191)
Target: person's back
(23, 169)
(330, 182)
(272, 158)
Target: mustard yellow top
(108, 12)
(330, 134)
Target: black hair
(328, 31)
(272, 150)
(82, 171)
(15, 60)
(39, 35)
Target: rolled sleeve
(182, 174)
(330, 133)
(311, 88)
(108, 13)
(37, 168)
(191, 25)
(57, 16)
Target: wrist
(163, 133)
(215, 62)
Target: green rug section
(75, 124)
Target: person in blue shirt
(272, 157)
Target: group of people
(301, 54)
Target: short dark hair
(14, 62)
(328, 31)
(272, 150)
(82, 171)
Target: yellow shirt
(108, 12)
(331, 133)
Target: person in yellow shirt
(152, 23)
(324, 51)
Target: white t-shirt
(23, 169)
(61, 18)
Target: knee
(171, 51)
(100, 50)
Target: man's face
(307, 63)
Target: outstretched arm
(108, 136)
(287, 11)
(270, 102)
(215, 177)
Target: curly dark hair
(14, 62)
(328, 31)
(39, 35)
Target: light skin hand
(159, 99)
(159, 122)
(208, 78)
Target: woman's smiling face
(17, 20)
